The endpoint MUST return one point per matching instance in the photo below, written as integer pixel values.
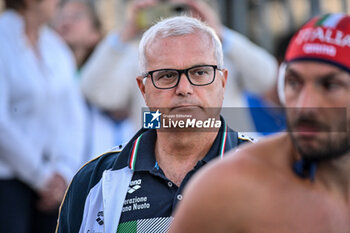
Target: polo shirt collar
(142, 157)
(139, 152)
(219, 145)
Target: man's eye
(200, 72)
(169, 75)
(292, 83)
(329, 86)
(333, 84)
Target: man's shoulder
(87, 181)
(114, 159)
(269, 151)
(243, 138)
(232, 186)
(235, 138)
(237, 185)
(253, 160)
(255, 167)
(91, 172)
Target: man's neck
(334, 175)
(331, 175)
(177, 153)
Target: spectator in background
(267, 113)
(79, 25)
(108, 80)
(42, 119)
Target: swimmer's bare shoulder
(224, 196)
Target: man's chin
(310, 146)
(319, 150)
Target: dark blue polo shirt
(152, 197)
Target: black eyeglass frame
(180, 72)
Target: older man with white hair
(136, 188)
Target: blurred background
(267, 23)
(93, 103)
(263, 21)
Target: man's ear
(141, 84)
(224, 73)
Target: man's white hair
(177, 26)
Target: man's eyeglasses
(169, 78)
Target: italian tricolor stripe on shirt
(160, 224)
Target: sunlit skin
(256, 190)
(317, 96)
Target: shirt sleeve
(76, 201)
(69, 144)
(108, 79)
(71, 210)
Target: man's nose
(184, 86)
(309, 99)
